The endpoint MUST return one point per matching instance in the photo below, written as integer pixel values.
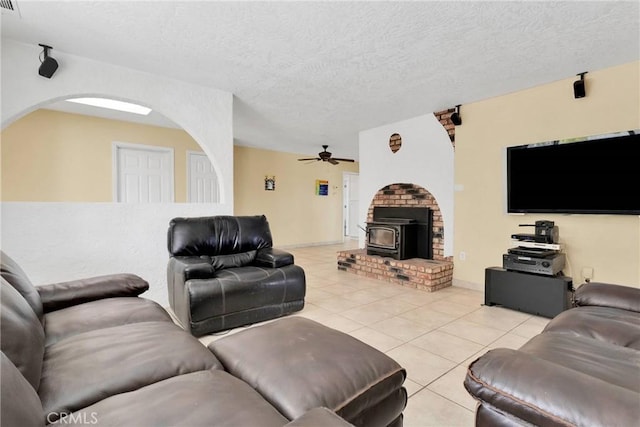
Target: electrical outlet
(462, 256)
(587, 273)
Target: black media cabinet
(531, 293)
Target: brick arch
(444, 117)
(411, 195)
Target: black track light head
(48, 65)
(579, 90)
(455, 117)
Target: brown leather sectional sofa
(91, 352)
(582, 370)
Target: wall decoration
(269, 183)
(395, 142)
(322, 187)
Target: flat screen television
(592, 175)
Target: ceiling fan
(325, 156)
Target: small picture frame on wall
(269, 183)
(322, 187)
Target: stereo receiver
(548, 266)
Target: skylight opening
(113, 105)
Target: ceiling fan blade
(325, 156)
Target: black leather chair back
(218, 235)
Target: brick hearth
(425, 274)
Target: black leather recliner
(223, 272)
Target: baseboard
(304, 245)
(468, 285)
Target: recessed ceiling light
(113, 105)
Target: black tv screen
(595, 175)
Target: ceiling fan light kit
(325, 156)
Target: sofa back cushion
(19, 402)
(608, 295)
(12, 273)
(218, 235)
(21, 334)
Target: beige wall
(296, 215)
(610, 244)
(51, 156)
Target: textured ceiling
(312, 73)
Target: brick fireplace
(410, 195)
(425, 274)
(410, 151)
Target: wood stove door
(382, 237)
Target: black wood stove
(400, 233)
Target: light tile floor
(434, 336)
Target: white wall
(205, 113)
(55, 242)
(425, 159)
(59, 241)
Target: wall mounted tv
(592, 175)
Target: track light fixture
(48, 65)
(455, 117)
(579, 88)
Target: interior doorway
(142, 173)
(350, 203)
(202, 180)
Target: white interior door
(143, 174)
(202, 179)
(350, 203)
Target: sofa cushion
(298, 364)
(21, 334)
(244, 288)
(319, 417)
(205, 267)
(608, 295)
(386, 413)
(101, 314)
(204, 398)
(88, 367)
(613, 364)
(13, 273)
(218, 235)
(19, 402)
(605, 324)
(488, 416)
(529, 390)
(56, 296)
(242, 259)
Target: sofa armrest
(187, 268)
(540, 392)
(273, 258)
(319, 417)
(66, 294)
(608, 295)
